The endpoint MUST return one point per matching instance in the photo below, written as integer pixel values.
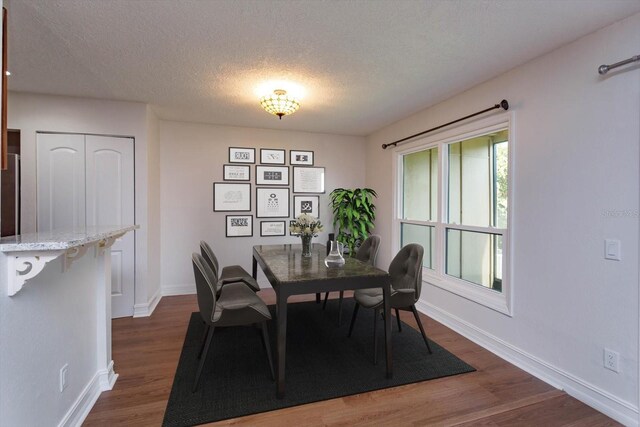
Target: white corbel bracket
(73, 254)
(23, 266)
(105, 244)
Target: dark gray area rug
(322, 363)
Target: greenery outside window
(453, 198)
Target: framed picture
(272, 202)
(301, 157)
(239, 226)
(271, 156)
(306, 205)
(272, 228)
(242, 155)
(308, 180)
(229, 197)
(237, 172)
(272, 175)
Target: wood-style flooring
(146, 352)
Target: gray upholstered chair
(237, 306)
(231, 273)
(406, 283)
(367, 252)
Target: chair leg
(204, 339)
(317, 297)
(203, 359)
(353, 318)
(326, 297)
(375, 337)
(340, 308)
(398, 320)
(267, 346)
(424, 336)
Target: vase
(334, 258)
(306, 246)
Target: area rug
(322, 363)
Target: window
(454, 201)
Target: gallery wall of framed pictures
(275, 181)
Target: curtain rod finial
(504, 104)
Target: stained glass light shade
(279, 103)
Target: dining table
(289, 273)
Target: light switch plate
(612, 249)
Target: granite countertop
(61, 239)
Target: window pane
(423, 235)
(475, 257)
(420, 180)
(477, 178)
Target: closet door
(61, 181)
(110, 201)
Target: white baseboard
(601, 400)
(145, 310)
(186, 289)
(107, 377)
(83, 404)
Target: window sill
(498, 301)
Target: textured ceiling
(363, 64)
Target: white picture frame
(272, 228)
(231, 197)
(236, 172)
(273, 156)
(301, 157)
(307, 205)
(272, 175)
(308, 180)
(239, 226)
(272, 202)
(242, 155)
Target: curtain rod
(503, 104)
(604, 69)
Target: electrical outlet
(63, 377)
(611, 359)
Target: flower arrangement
(306, 225)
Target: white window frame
(498, 301)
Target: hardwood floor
(146, 352)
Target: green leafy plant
(353, 215)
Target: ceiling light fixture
(279, 103)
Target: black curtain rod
(503, 104)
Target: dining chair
(231, 273)
(237, 306)
(406, 283)
(367, 252)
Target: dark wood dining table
(292, 274)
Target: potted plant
(353, 215)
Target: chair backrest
(206, 283)
(406, 269)
(209, 256)
(368, 251)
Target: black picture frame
(272, 175)
(227, 172)
(302, 184)
(236, 157)
(265, 154)
(298, 208)
(284, 228)
(229, 222)
(272, 202)
(301, 157)
(224, 202)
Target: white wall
(51, 322)
(576, 158)
(31, 113)
(191, 157)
